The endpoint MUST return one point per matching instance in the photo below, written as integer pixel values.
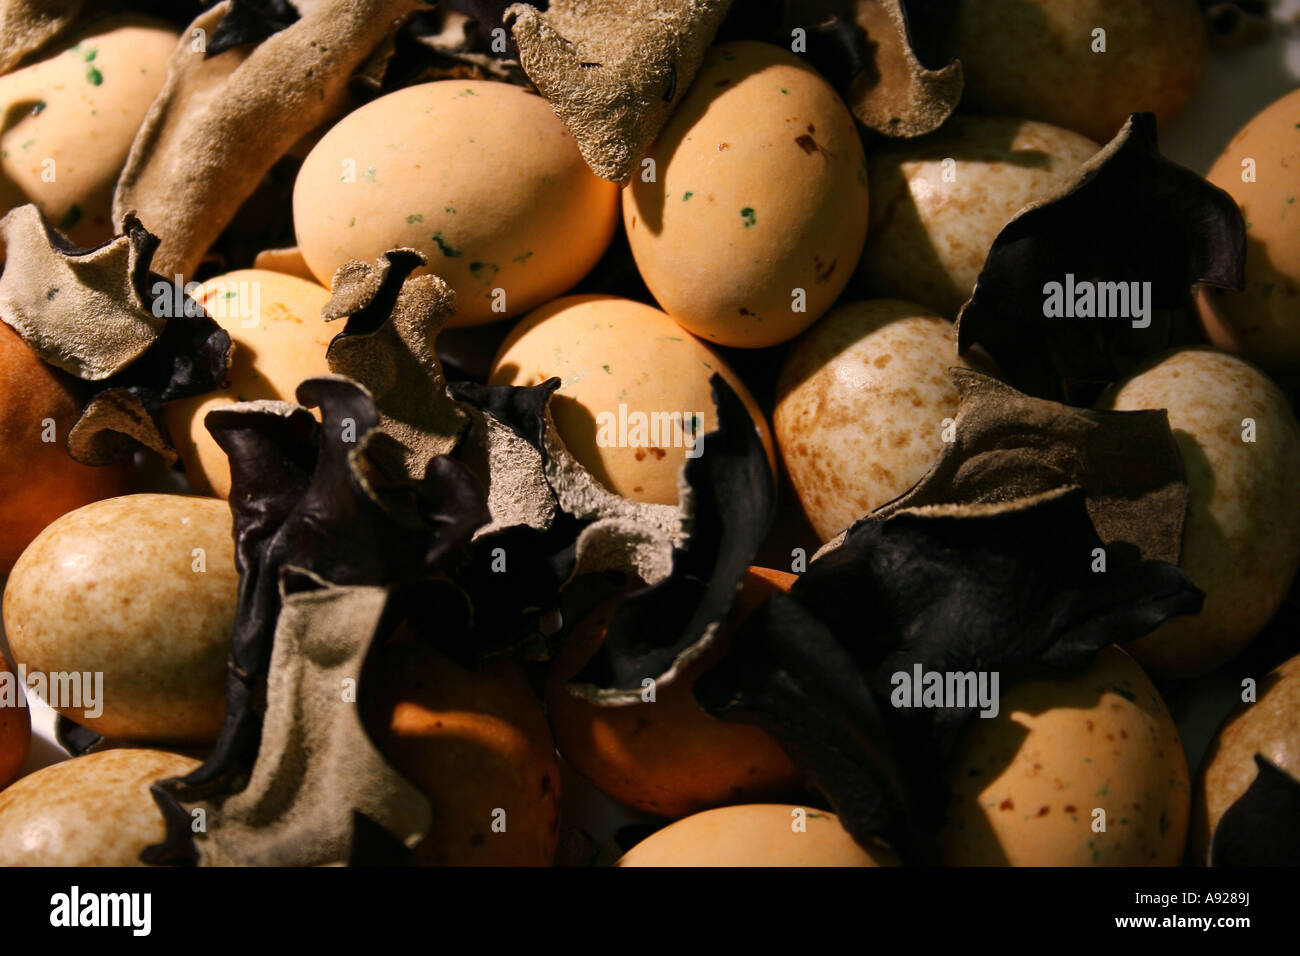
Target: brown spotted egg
(1269, 726)
(1085, 770)
(95, 810)
(860, 408)
(1241, 542)
(937, 203)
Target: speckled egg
(481, 177)
(757, 834)
(937, 203)
(1043, 59)
(757, 208)
(1030, 786)
(1241, 542)
(70, 120)
(1260, 169)
(95, 810)
(15, 724)
(860, 408)
(141, 589)
(626, 368)
(39, 480)
(1270, 726)
(667, 756)
(280, 339)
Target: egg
(1241, 542)
(1082, 64)
(753, 210)
(1269, 726)
(1082, 770)
(280, 339)
(860, 408)
(96, 810)
(15, 724)
(760, 834)
(626, 370)
(70, 120)
(481, 177)
(937, 203)
(668, 756)
(477, 745)
(39, 480)
(135, 596)
(1258, 169)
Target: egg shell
(1269, 726)
(80, 108)
(39, 480)
(609, 352)
(756, 834)
(481, 177)
(937, 203)
(15, 724)
(759, 189)
(141, 589)
(1025, 784)
(1036, 59)
(95, 810)
(668, 756)
(860, 408)
(1241, 539)
(1262, 322)
(475, 744)
(280, 339)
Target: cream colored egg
(937, 203)
(860, 408)
(280, 339)
(481, 177)
(1268, 726)
(760, 834)
(1260, 169)
(94, 810)
(748, 223)
(1064, 757)
(1082, 64)
(632, 383)
(70, 120)
(126, 605)
(1241, 541)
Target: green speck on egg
(862, 177)
(445, 248)
(352, 222)
(687, 195)
(747, 214)
(784, 91)
(71, 217)
(93, 76)
(450, 209)
(231, 294)
(369, 174)
(483, 270)
(1105, 789)
(607, 371)
(414, 217)
(91, 54)
(38, 107)
(29, 144)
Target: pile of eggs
(757, 221)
